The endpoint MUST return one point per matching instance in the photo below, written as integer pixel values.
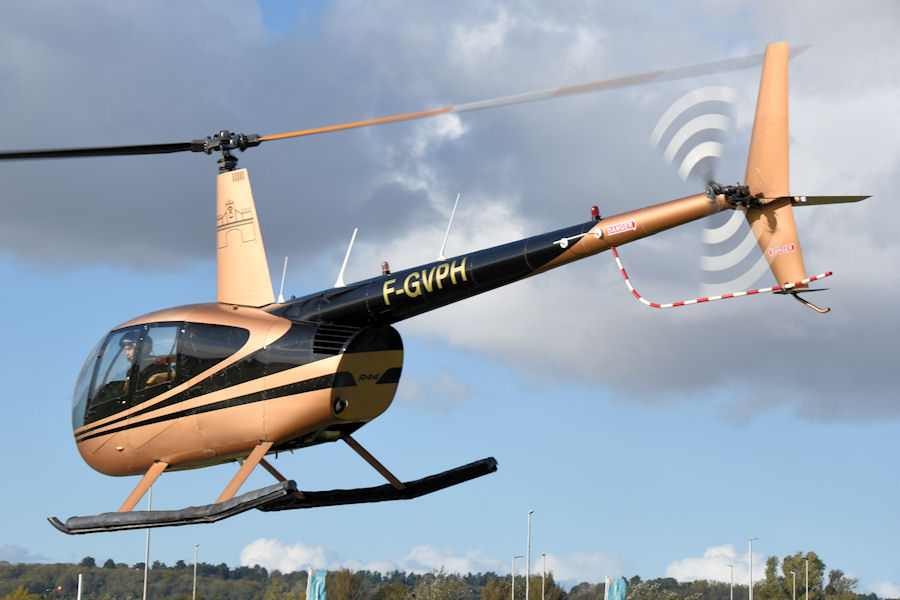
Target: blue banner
(315, 584)
(616, 589)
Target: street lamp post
(751, 566)
(528, 557)
(512, 577)
(793, 585)
(807, 576)
(194, 595)
(147, 547)
(543, 573)
(732, 580)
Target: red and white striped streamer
(777, 288)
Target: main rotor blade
(226, 140)
(719, 66)
(99, 151)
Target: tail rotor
(689, 135)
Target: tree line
(119, 581)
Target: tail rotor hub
(735, 195)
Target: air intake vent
(331, 338)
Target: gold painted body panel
(243, 271)
(368, 398)
(636, 224)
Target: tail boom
(393, 297)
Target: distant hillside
(118, 581)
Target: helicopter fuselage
(207, 382)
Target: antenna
(449, 225)
(340, 279)
(283, 273)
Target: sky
(646, 442)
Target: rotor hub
(224, 141)
(736, 195)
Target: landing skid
(383, 493)
(281, 496)
(208, 513)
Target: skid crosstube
(281, 496)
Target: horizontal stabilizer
(818, 200)
(382, 493)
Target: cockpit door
(112, 381)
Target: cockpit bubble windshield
(134, 364)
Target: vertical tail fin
(768, 171)
(243, 271)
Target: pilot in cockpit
(127, 343)
(152, 370)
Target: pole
(732, 580)
(807, 576)
(194, 595)
(751, 566)
(543, 574)
(793, 585)
(79, 586)
(512, 593)
(147, 547)
(528, 558)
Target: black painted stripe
(385, 299)
(223, 374)
(335, 380)
(392, 375)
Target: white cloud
(478, 43)
(712, 566)
(886, 589)
(439, 392)
(434, 131)
(17, 554)
(275, 554)
(571, 569)
(426, 558)
(567, 569)
(538, 160)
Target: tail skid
(806, 302)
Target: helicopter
(251, 375)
